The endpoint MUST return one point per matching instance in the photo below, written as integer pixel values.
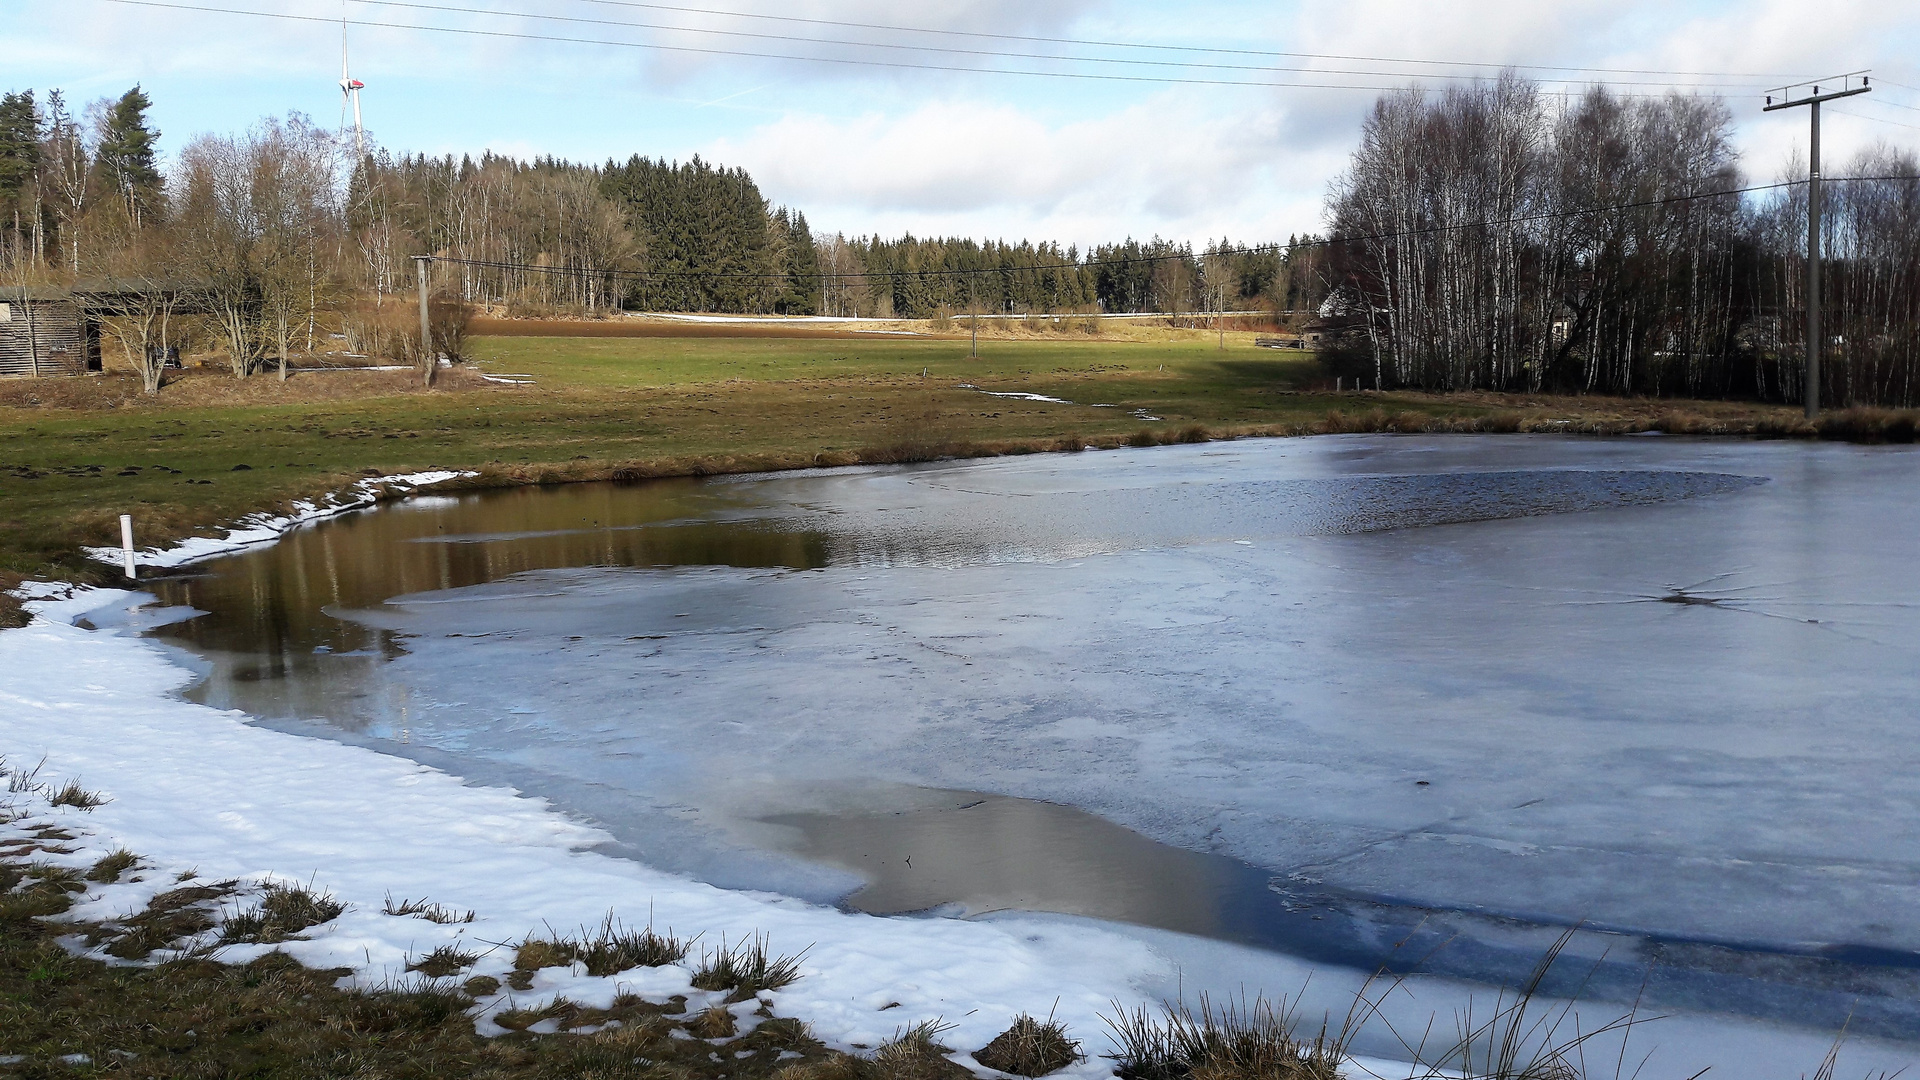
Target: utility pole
(1815, 342)
(1220, 306)
(973, 309)
(428, 359)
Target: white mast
(350, 96)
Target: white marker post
(126, 541)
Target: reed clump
(425, 909)
(72, 794)
(1243, 1041)
(444, 962)
(746, 969)
(282, 912)
(915, 1053)
(1030, 1047)
(110, 867)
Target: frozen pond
(1402, 700)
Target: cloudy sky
(1190, 121)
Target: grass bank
(210, 449)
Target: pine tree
(19, 145)
(125, 155)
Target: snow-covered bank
(266, 528)
(198, 789)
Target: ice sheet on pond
(1658, 686)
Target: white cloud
(1169, 166)
(878, 150)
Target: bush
(448, 318)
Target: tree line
(285, 234)
(1487, 237)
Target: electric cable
(1171, 48)
(175, 5)
(418, 5)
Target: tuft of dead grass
(1242, 1041)
(72, 794)
(1030, 1047)
(444, 962)
(282, 912)
(424, 909)
(110, 867)
(917, 1054)
(746, 969)
(714, 1022)
(607, 950)
(614, 948)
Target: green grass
(570, 362)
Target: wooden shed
(46, 332)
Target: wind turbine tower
(350, 98)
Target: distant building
(46, 332)
(56, 331)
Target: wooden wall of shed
(56, 330)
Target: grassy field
(628, 402)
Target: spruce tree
(126, 155)
(19, 144)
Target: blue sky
(873, 149)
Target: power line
(1262, 249)
(958, 51)
(1173, 48)
(1892, 104)
(843, 61)
(1874, 119)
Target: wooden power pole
(428, 359)
(1815, 342)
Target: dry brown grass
(280, 914)
(167, 920)
(1030, 1047)
(111, 866)
(1245, 1041)
(196, 1019)
(444, 962)
(746, 969)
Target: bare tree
(219, 227)
(146, 293)
(291, 188)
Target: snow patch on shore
(200, 790)
(266, 528)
